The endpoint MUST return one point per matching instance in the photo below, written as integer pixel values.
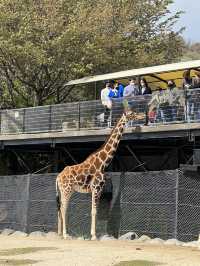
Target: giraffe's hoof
(94, 238)
(67, 237)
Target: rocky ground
(40, 249)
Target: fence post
(27, 200)
(176, 204)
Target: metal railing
(160, 108)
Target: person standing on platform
(106, 102)
(187, 86)
(129, 92)
(144, 88)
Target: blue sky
(191, 18)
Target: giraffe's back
(74, 178)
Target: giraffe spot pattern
(97, 163)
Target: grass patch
(13, 262)
(20, 251)
(138, 263)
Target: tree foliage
(191, 51)
(43, 44)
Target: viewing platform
(86, 135)
(82, 122)
(175, 115)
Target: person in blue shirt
(114, 93)
(120, 88)
(117, 90)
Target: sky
(190, 19)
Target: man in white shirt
(106, 102)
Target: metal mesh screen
(160, 204)
(13, 202)
(12, 121)
(188, 205)
(148, 203)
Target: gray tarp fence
(163, 204)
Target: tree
(43, 44)
(191, 51)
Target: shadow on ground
(20, 251)
(138, 263)
(13, 262)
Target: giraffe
(88, 176)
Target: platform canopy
(156, 76)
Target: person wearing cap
(175, 102)
(196, 80)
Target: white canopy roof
(175, 67)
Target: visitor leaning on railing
(168, 104)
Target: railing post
(79, 115)
(50, 117)
(24, 125)
(0, 121)
(186, 106)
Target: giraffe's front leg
(93, 214)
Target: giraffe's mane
(107, 138)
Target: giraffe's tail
(57, 196)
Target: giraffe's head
(132, 115)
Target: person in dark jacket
(144, 88)
(196, 80)
(187, 86)
(196, 100)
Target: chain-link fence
(161, 107)
(163, 204)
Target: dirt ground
(43, 251)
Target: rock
(107, 237)
(19, 233)
(173, 241)
(37, 234)
(81, 238)
(7, 232)
(144, 238)
(156, 241)
(191, 244)
(52, 234)
(129, 236)
(179, 243)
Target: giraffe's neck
(110, 146)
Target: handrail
(161, 108)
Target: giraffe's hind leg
(64, 215)
(60, 223)
(58, 210)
